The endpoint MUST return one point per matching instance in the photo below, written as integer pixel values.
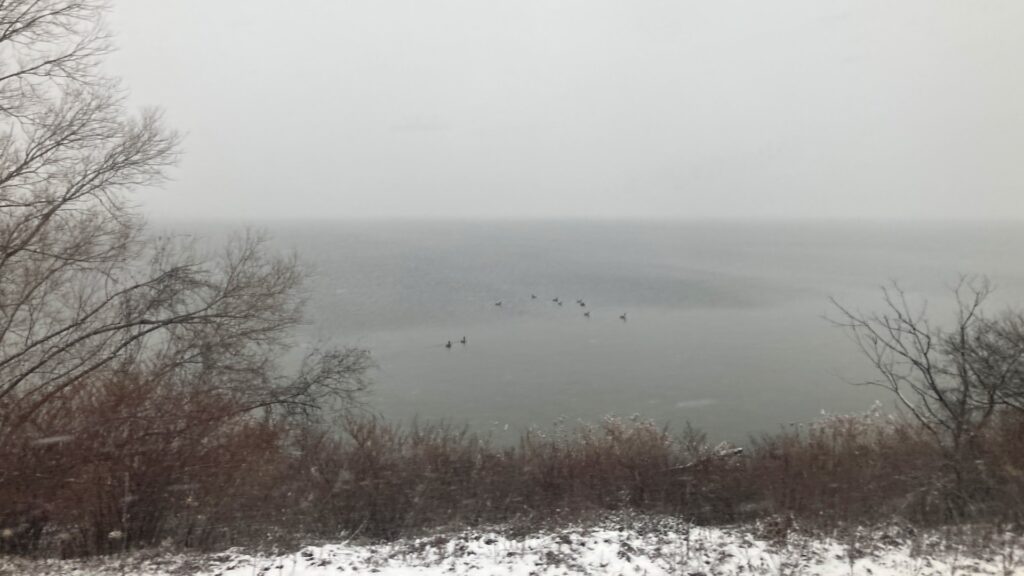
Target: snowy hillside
(667, 548)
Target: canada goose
(463, 341)
(587, 313)
(533, 296)
(555, 300)
(623, 317)
(449, 344)
(498, 303)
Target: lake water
(724, 326)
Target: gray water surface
(725, 321)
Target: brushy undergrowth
(100, 482)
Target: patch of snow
(671, 549)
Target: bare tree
(992, 355)
(128, 363)
(952, 381)
(83, 289)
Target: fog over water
(724, 326)
(649, 154)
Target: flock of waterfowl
(579, 301)
(449, 344)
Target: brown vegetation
(176, 481)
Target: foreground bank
(637, 545)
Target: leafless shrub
(382, 480)
(253, 481)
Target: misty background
(785, 126)
(585, 109)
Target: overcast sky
(583, 108)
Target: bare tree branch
(84, 291)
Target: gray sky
(583, 108)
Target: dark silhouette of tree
(83, 289)
(953, 381)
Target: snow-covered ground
(669, 548)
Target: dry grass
(120, 469)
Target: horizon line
(586, 219)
